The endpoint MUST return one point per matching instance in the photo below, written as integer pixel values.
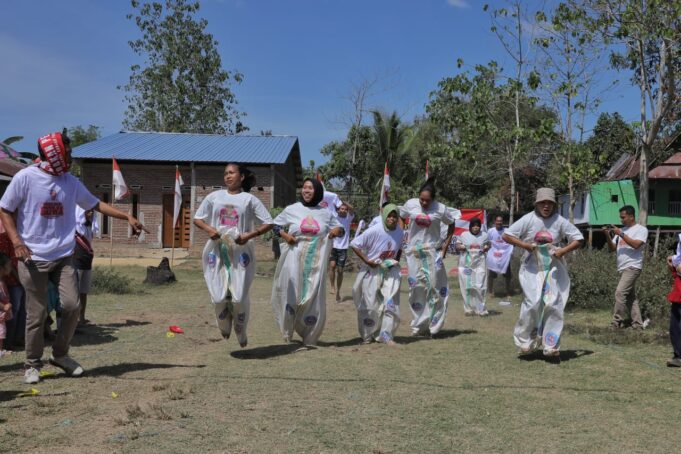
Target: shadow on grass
(269, 351)
(565, 355)
(127, 323)
(6, 396)
(444, 334)
(117, 370)
(12, 367)
(353, 342)
(605, 335)
(102, 333)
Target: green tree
(643, 37)
(611, 138)
(80, 135)
(182, 86)
(12, 139)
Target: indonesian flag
(466, 215)
(120, 188)
(385, 187)
(178, 196)
(426, 170)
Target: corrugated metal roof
(670, 169)
(161, 146)
(625, 168)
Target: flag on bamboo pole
(467, 214)
(385, 187)
(178, 196)
(120, 188)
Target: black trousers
(675, 328)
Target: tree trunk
(512, 178)
(643, 184)
(571, 200)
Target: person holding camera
(628, 241)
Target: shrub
(594, 278)
(106, 280)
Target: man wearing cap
(628, 242)
(43, 198)
(543, 273)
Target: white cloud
(458, 3)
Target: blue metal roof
(162, 146)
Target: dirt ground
(465, 391)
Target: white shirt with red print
(308, 221)
(220, 209)
(46, 211)
(379, 244)
(424, 225)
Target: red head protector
(53, 156)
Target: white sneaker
(31, 376)
(68, 364)
(483, 313)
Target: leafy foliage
(107, 280)
(182, 86)
(80, 135)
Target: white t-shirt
(46, 211)
(627, 256)
(342, 242)
(378, 220)
(377, 243)
(331, 202)
(473, 242)
(222, 209)
(309, 221)
(533, 228)
(424, 225)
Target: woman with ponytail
(428, 287)
(229, 217)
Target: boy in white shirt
(339, 253)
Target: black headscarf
(318, 193)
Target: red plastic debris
(175, 329)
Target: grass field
(466, 391)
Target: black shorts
(507, 274)
(339, 256)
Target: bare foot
(331, 291)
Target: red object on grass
(176, 329)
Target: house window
(651, 201)
(105, 219)
(614, 198)
(674, 207)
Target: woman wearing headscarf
(428, 287)
(229, 217)
(543, 273)
(473, 246)
(376, 292)
(299, 289)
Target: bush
(594, 278)
(106, 280)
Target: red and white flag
(178, 196)
(385, 187)
(120, 188)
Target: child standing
(5, 305)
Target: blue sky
(62, 61)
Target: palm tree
(390, 134)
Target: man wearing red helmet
(38, 212)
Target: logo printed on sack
(212, 260)
(384, 336)
(444, 291)
(543, 237)
(434, 321)
(241, 317)
(438, 263)
(244, 259)
(290, 310)
(417, 306)
(369, 322)
(223, 314)
(467, 271)
(422, 220)
(411, 281)
(551, 339)
(229, 216)
(309, 226)
(390, 304)
(386, 255)
(310, 320)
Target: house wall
(157, 179)
(607, 197)
(285, 183)
(660, 215)
(581, 210)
